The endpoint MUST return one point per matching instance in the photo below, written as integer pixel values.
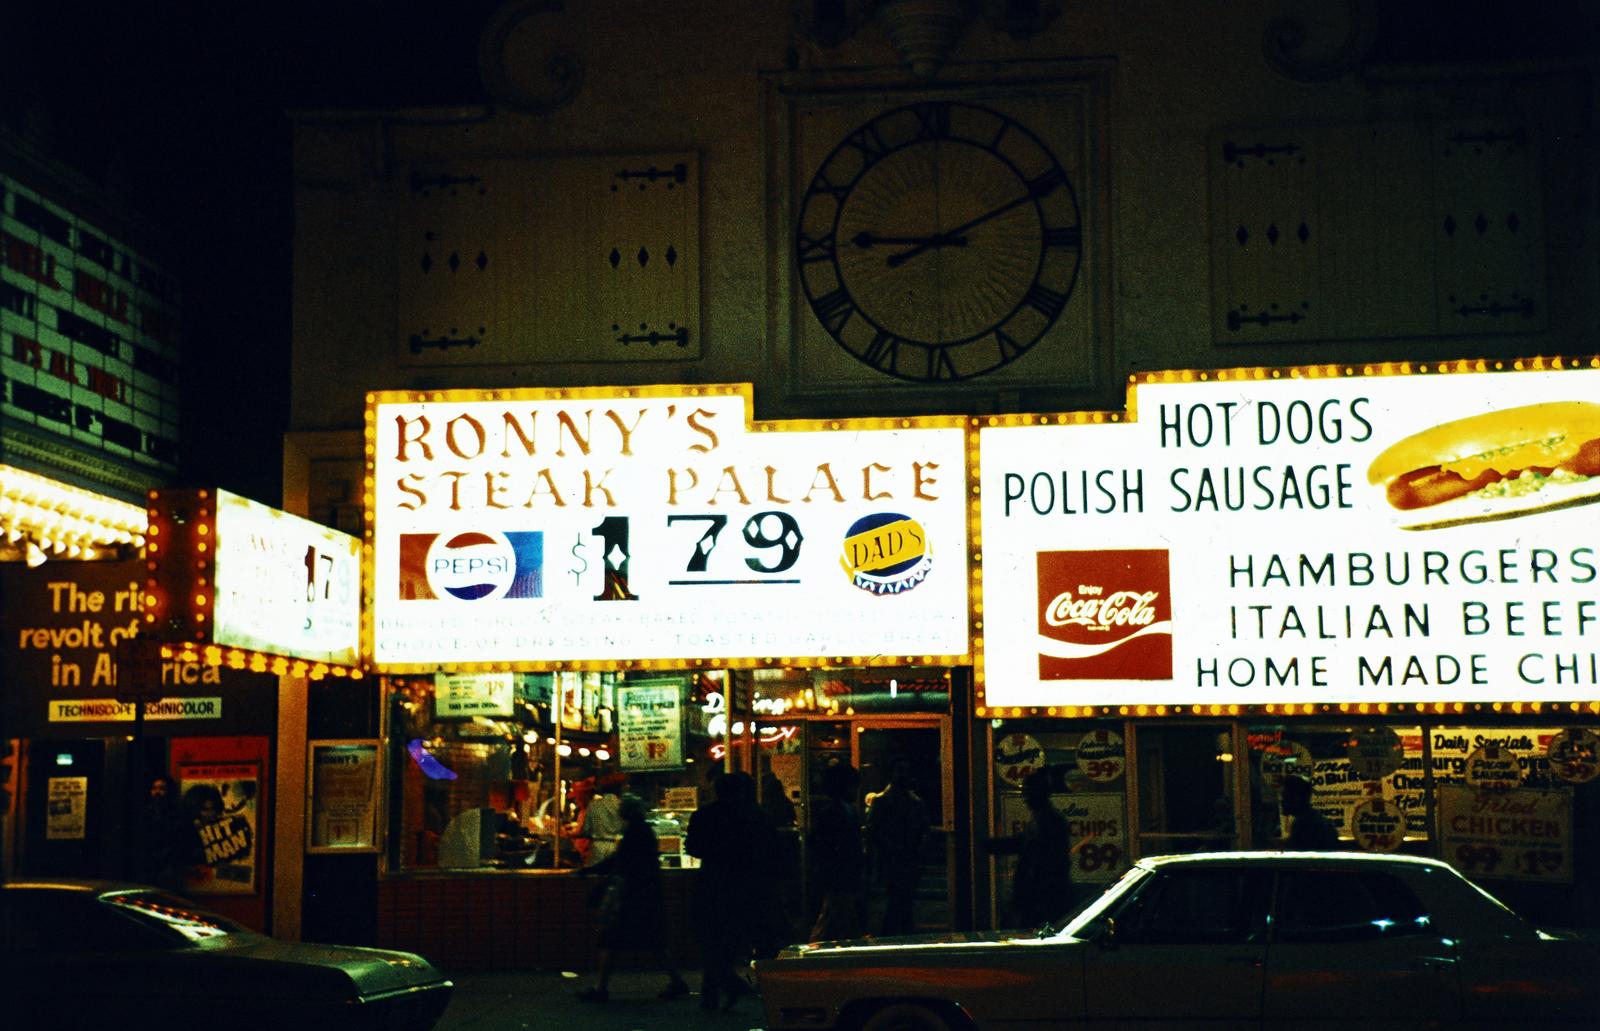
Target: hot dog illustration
(1512, 461)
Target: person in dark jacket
(630, 910)
(1041, 889)
(836, 857)
(897, 824)
(727, 835)
(166, 836)
(1309, 830)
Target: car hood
(911, 943)
(374, 972)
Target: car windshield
(171, 914)
(1074, 923)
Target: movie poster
(221, 800)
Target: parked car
(1241, 939)
(98, 954)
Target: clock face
(939, 241)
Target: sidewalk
(540, 1000)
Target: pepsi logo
(472, 566)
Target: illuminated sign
(658, 526)
(246, 578)
(458, 695)
(89, 347)
(285, 585)
(1327, 534)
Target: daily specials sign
(1325, 534)
(538, 528)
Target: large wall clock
(939, 241)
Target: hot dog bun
(1494, 465)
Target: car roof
(1265, 858)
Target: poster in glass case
(342, 785)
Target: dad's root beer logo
(1105, 615)
(475, 565)
(886, 553)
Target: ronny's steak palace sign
(533, 529)
(1254, 536)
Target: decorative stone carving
(525, 60)
(923, 31)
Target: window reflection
(170, 914)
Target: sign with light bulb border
(1338, 534)
(612, 528)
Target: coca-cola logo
(1097, 610)
(1105, 615)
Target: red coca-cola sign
(1105, 615)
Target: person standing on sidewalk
(837, 859)
(723, 835)
(1041, 889)
(630, 913)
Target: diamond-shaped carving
(615, 257)
(482, 261)
(672, 252)
(1243, 235)
(1449, 225)
(455, 261)
(1304, 232)
(1481, 224)
(644, 257)
(1272, 233)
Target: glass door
(908, 830)
(1186, 787)
(902, 803)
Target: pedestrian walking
(1309, 830)
(723, 835)
(601, 825)
(628, 904)
(1041, 889)
(897, 823)
(836, 857)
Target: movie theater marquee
(1264, 536)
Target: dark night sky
(182, 107)
(184, 104)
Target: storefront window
(1086, 765)
(1366, 781)
(495, 770)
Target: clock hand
(896, 260)
(866, 240)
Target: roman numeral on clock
(884, 351)
(834, 309)
(822, 184)
(1063, 236)
(1046, 183)
(1009, 347)
(1045, 301)
(933, 121)
(940, 364)
(869, 143)
(815, 248)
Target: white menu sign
(541, 528)
(285, 585)
(1331, 534)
